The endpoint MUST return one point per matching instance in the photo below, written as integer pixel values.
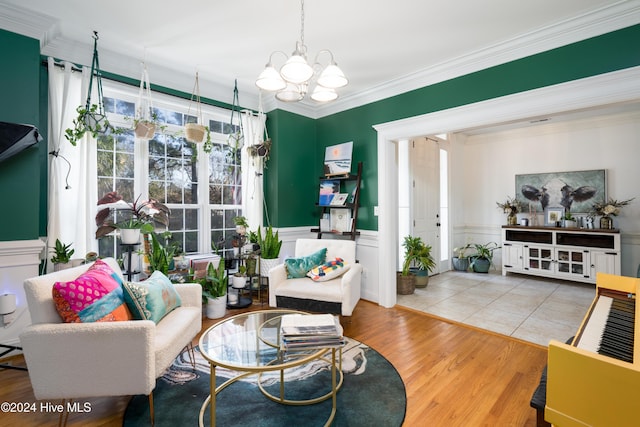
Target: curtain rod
(61, 65)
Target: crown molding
(604, 20)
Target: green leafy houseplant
(159, 256)
(215, 283)
(460, 258)
(90, 119)
(482, 260)
(142, 214)
(418, 254)
(62, 253)
(270, 244)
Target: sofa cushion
(306, 288)
(95, 296)
(299, 267)
(329, 270)
(152, 299)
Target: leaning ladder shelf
(352, 206)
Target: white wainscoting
(19, 260)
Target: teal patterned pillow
(299, 267)
(152, 299)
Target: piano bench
(539, 398)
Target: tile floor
(531, 308)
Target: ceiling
(384, 47)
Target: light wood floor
(454, 375)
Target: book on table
(302, 331)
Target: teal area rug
(372, 394)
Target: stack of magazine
(309, 331)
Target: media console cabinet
(562, 253)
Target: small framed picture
(339, 199)
(552, 215)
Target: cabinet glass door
(571, 262)
(539, 258)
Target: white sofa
(337, 296)
(79, 360)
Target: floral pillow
(299, 267)
(95, 296)
(152, 299)
(329, 270)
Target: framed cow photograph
(574, 191)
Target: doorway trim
(606, 89)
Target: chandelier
(292, 82)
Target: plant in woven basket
(195, 131)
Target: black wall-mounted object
(16, 137)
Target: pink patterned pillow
(95, 296)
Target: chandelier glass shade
(296, 75)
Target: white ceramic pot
(130, 236)
(233, 297)
(267, 264)
(216, 307)
(61, 266)
(239, 282)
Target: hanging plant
(195, 132)
(146, 122)
(91, 117)
(236, 138)
(261, 150)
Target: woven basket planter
(406, 285)
(194, 132)
(145, 129)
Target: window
(203, 190)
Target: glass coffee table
(249, 344)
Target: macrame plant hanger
(236, 139)
(195, 131)
(98, 114)
(144, 123)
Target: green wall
(291, 177)
(20, 175)
(606, 53)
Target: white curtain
(72, 170)
(252, 169)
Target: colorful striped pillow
(329, 270)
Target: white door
(424, 155)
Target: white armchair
(337, 296)
(79, 360)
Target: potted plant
(141, 217)
(91, 117)
(482, 260)
(160, 257)
(270, 245)
(460, 259)
(239, 279)
(241, 225)
(568, 221)
(417, 254)
(61, 258)
(423, 264)
(214, 290)
(195, 131)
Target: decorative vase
(267, 264)
(216, 307)
(606, 222)
(512, 219)
(130, 236)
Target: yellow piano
(585, 387)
